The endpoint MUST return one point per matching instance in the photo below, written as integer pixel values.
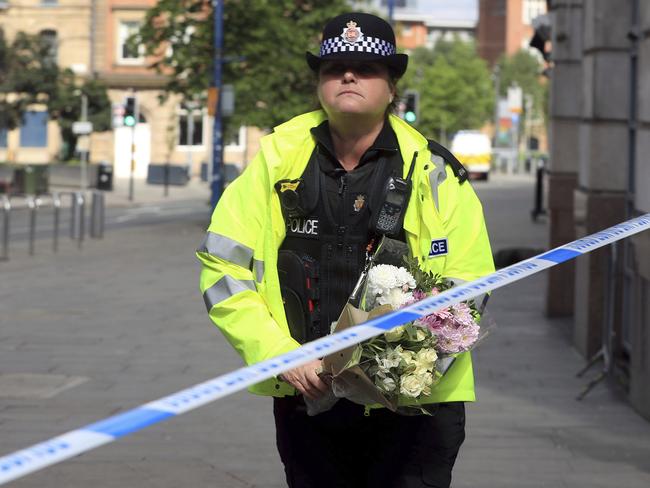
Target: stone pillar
(566, 116)
(603, 155)
(639, 316)
(640, 330)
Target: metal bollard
(97, 215)
(81, 197)
(166, 179)
(539, 194)
(6, 210)
(56, 203)
(32, 203)
(77, 229)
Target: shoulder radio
(389, 218)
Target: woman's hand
(305, 379)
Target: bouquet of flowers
(402, 365)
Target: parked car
(474, 150)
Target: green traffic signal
(411, 102)
(130, 111)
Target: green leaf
(264, 44)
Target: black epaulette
(459, 170)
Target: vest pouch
(298, 286)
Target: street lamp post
(497, 80)
(84, 153)
(216, 185)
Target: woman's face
(354, 88)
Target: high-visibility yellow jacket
(239, 280)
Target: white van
(474, 150)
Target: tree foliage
(66, 108)
(524, 69)
(264, 49)
(30, 75)
(454, 85)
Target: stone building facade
(599, 170)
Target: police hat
(359, 36)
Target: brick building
(504, 26)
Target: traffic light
(130, 116)
(411, 105)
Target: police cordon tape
(39, 456)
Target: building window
(190, 128)
(49, 39)
(49, 2)
(33, 131)
(531, 9)
(3, 136)
(237, 140)
(128, 53)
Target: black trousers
(342, 448)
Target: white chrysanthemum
(389, 285)
(404, 279)
(396, 298)
(381, 279)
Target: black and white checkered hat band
(366, 45)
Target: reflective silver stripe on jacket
(258, 270)
(227, 249)
(437, 176)
(224, 289)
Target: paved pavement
(88, 333)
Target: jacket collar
(409, 139)
(386, 141)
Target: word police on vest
(303, 226)
(438, 248)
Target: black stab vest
(335, 229)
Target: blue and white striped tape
(34, 458)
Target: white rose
(408, 356)
(425, 360)
(395, 334)
(411, 385)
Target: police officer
(287, 243)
